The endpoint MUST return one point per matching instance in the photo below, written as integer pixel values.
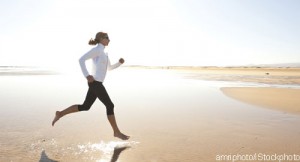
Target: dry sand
(283, 99)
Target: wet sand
(170, 116)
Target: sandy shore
(244, 74)
(169, 117)
(283, 99)
(277, 71)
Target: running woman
(95, 80)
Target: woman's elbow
(81, 60)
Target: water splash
(107, 148)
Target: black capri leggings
(96, 89)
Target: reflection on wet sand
(117, 152)
(45, 158)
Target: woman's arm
(111, 67)
(91, 54)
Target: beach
(171, 114)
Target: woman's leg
(88, 102)
(105, 99)
(59, 114)
(117, 132)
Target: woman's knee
(83, 108)
(110, 109)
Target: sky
(55, 33)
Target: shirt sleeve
(111, 67)
(91, 54)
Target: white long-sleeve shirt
(101, 63)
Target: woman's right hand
(90, 79)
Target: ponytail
(99, 35)
(93, 42)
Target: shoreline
(280, 99)
(262, 75)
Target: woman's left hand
(121, 60)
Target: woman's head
(100, 37)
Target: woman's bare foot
(121, 136)
(56, 118)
